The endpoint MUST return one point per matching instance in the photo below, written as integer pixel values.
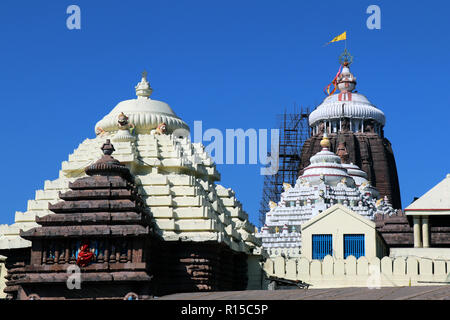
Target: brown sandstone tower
(355, 129)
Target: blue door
(354, 245)
(322, 245)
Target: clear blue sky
(231, 64)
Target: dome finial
(346, 81)
(108, 148)
(143, 88)
(325, 142)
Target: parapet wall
(362, 272)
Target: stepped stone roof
(175, 177)
(102, 226)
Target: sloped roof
(334, 208)
(436, 201)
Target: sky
(230, 64)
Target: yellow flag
(342, 36)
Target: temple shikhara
(343, 214)
(149, 221)
(360, 174)
(356, 131)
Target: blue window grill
(322, 245)
(354, 245)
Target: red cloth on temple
(85, 256)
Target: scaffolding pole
(294, 131)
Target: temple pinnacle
(107, 147)
(325, 142)
(143, 89)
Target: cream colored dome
(144, 113)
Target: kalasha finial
(325, 142)
(108, 148)
(143, 88)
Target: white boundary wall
(362, 272)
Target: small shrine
(101, 235)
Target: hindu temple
(355, 128)
(160, 190)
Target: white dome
(357, 108)
(325, 156)
(356, 173)
(144, 113)
(326, 166)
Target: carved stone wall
(395, 230)
(203, 266)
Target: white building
(340, 233)
(325, 182)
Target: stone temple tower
(355, 129)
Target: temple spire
(345, 81)
(143, 89)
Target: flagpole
(345, 40)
